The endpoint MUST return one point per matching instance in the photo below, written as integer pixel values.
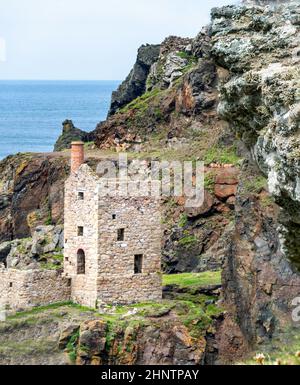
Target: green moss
(193, 279)
(222, 155)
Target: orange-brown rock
(222, 208)
(231, 202)
(224, 191)
(227, 176)
(202, 209)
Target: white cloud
(2, 50)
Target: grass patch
(187, 240)
(285, 350)
(193, 279)
(27, 348)
(72, 346)
(222, 155)
(53, 306)
(256, 185)
(209, 182)
(141, 103)
(183, 220)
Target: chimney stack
(77, 155)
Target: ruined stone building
(112, 243)
(112, 249)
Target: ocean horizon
(32, 111)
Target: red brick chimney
(77, 155)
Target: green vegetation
(188, 240)
(222, 155)
(48, 221)
(27, 348)
(187, 56)
(41, 309)
(72, 346)
(209, 182)
(183, 220)
(193, 279)
(267, 201)
(141, 104)
(255, 185)
(54, 262)
(283, 350)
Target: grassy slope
(193, 279)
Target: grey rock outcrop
(44, 249)
(135, 83)
(69, 134)
(174, 57)
(260, 46)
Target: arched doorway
(80, 262)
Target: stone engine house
(112, 250)
(112, 243)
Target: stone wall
(140, 219)
(82, 212)
(21, 289)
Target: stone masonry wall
(141, 220)
(83, 213)
(22, 289)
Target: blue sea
(32, 112)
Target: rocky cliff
(135, 84)
(230, 97)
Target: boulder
(227, 176)
(66, 335)
(204, 209)
(224, 191)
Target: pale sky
(89, 39)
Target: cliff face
(262, 100)
(135, 83)
(31, 193)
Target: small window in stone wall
(138, 264)
(121, 235)
(80, 262)
(114, 216)
(10, 284)
(81, 196)
(80, 231)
